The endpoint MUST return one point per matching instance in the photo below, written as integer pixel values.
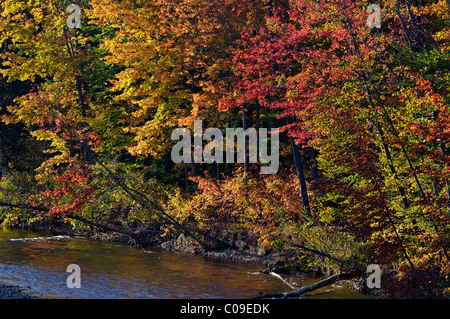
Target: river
(37, 263)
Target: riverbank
(230, 245)
(225, 244)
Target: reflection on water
(37, 262)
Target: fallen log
(298, 292)
(107, 228)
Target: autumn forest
(363, 117)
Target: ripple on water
(44, 238)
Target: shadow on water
(37, 262)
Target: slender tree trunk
(296, 153)
(402, 22)
(435, 190)
(405, 153)
(405, 253)
(244, 126)
(387, 153)
(80, 99)
(414, 27)
(186, 177)
(194, 171)
(78, 82)
(314, 174)
(366, 77)
(4, 160)
(229, 166)
(258, 126)
(448, 194)
(218, 164)
(300, 174)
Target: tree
(343, 84)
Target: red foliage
(73, 189)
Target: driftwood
(282, 279)
(298, 292)
(272, 273)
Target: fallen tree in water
(104, 227)
(298, 292)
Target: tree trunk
(218, 125)
(296, 154)
(314, 174)
(397, 7)
(414, 27)
(244, 126)
(258, 126)
(448, 194)
(194, 172)
(4, 160)
(300, 174)
(80, 98)
(229, 166)
(186, 177)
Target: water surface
(37, 262)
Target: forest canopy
(87, 114)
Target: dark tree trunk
(314, 173)
(258, 126)
(414, 27)
(397, 7)
(186, 177)
(296, 153)
(229, 166)
(4, 160)
(80, 95)
(194, 172)
(300, 174)
(244, 126)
